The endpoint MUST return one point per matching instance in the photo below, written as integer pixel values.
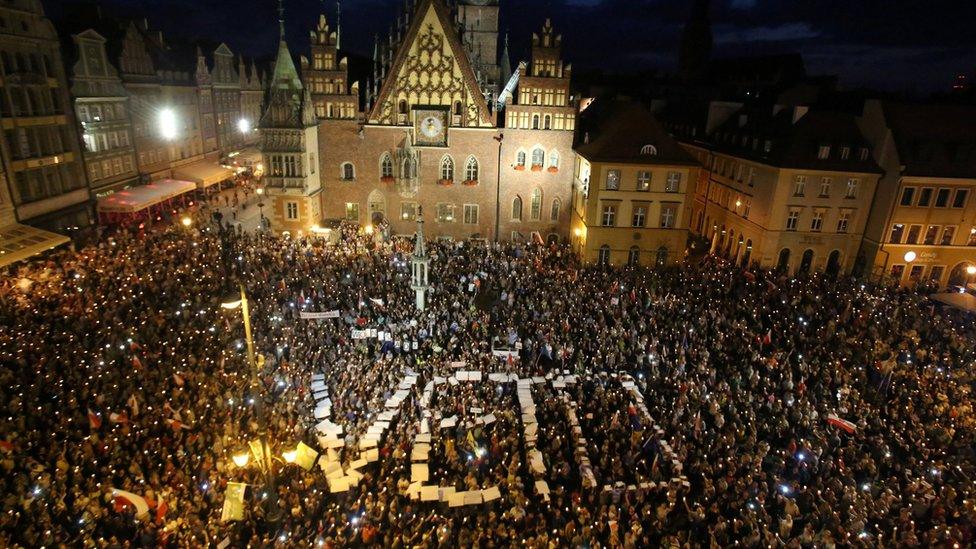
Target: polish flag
(123, 499)
(840, 423)
(768, 338)
(120, 417)
(94, 421)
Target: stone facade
(39, 144)
(429, 139)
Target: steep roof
(794, 138)
(619, 130)
(285, 75)
(934, 140)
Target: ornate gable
(431, 68)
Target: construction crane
(509, 87)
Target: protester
(121, 371)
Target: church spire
(281, 20)
(338, 24)
(696, 43)
(506, 62)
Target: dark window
(907, 195)
(925, 197)
(959, 199)
(942, 198)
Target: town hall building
(441, 127)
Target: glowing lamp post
(244, 125)
(910, 256)
(167, 124)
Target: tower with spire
(327, 74)
(289, 146)
(696, 43)
(420, 263)
(478, 22)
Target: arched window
(554, 210)
(553, 159)
(633, 257)
(348, 172)
(650, 150)
(471, 170)
(408, 169)
(604, 257)
(535, 121)
(517, 208)
(538, 157)
(457, 108)
(547, 122)
(386, 166)
(535, 213)
(403, 106)
(447, 168)
(662, 257)
(520, 159)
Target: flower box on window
(470, 182)
(445, 182)
(388, 179)
(553, 169)
(520, 167)
(537, 167)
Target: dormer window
(863, 153)
(823, 152)
(845, 153)
(649, 150)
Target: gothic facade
(430, 135)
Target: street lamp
(910, 256)
(244, 125)
(186, 221)
(241, 459)
(167, 124)
(273, 513)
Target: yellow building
(631, 193)
(784, 187)
(923, 226)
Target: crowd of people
(795, 412)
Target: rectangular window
(916, 272)
(914, 231)
(643, 180)
(352, 211)
(925, 197)
(931, 234)
(613, 180)
(897, 230)
(942, 198)
(799, 183)
(843, 221)
(471, 214)
(291, 210)
(863, 153)
(640, 215)
(746, 207)
(609, 215)
(907, 196)
(792, 219)
(817, 222)
(852, 184)
(948, 232)
(959, 199)
(935, 275)
(752, 176)
(825, 186)
(972, 237)
(408, 211)
(674, 182)
(823, 152)
(845, 153)
(897, 271)
(668, 214)
(445, 212)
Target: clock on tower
(430, 126)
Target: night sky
(893, 45)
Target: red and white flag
(768, 338)
(94, 420)
(123, 499)
(840, 423)
(120, 417)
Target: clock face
(430, 125)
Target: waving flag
(840, 423)
(123, 499)
(94, 420)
